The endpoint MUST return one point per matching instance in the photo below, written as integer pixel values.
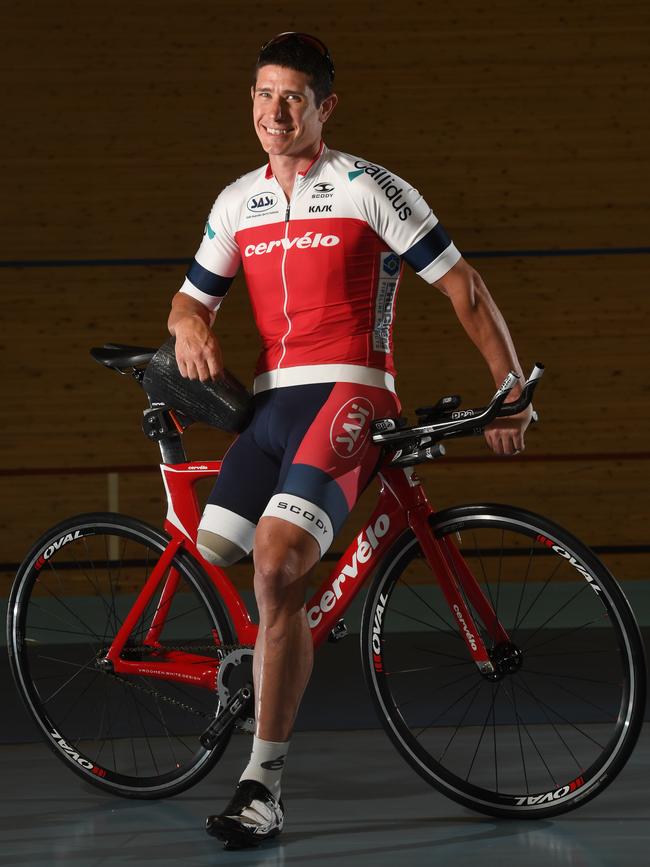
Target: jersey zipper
(287, 215)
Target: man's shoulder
(364, 176)
(237, 189)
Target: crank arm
(227, 716)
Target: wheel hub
(506, 659)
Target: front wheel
(135, 736)
(561, 722)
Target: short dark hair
(297, 53)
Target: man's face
(286, 118)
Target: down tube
(339, 588)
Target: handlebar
(444, 420)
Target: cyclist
(322, 237)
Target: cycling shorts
(305, 457)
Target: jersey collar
(321, 150)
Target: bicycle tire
(133, 736)
(547, 737)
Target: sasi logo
(349, 430)
(261, 202)
(367, 544)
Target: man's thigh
(321, 481)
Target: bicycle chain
(223, 649)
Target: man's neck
(285, 168)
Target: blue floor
(349, 798)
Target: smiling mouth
(277, 131)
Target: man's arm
(197, 349)
(483, 322)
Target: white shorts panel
(230, 525)
(303, 514)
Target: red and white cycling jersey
(323, 269)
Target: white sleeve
(401, 217)
(217, 259)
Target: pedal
(338, 632)
(227, 717)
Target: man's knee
(284, 555)
(217, 549)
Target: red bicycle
(501, 655)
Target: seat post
(159, 425)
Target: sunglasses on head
(305, 39)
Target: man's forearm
(482, 321)
(184, 307)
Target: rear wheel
(561, 719)
(134, 736)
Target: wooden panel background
(523, 124)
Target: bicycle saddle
(120, 356)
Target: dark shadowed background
(525, 126)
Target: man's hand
(198, 353)
(505, 436)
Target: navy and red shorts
(305, 457)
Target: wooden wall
(523, 124)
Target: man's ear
(327, 107)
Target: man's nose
(277, 108)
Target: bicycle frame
(402, 504)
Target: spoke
(147, 710)
(524, 686)
(449, 707)
(571, 677)
(79, 670)
(521, 743)
(460, 659)
(494, 740)
(170, 743)
(541, 590)
(112, 627)
(531, 739)
(50, 614)
(559, 610)
(557, 638)
(495, 692)
(411, 670)
(570, 692)
(496, 609)
(485, 578)
(553, 726)
(424, 623)
(79, 697)
(477, 689)
(52, 629)
(82, 568)
(523, 586)
(449, 626)
(144, 733)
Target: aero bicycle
(502, 657)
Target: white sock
(266, 764)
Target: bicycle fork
(450, 569)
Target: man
(321, 236)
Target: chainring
(235, 670)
